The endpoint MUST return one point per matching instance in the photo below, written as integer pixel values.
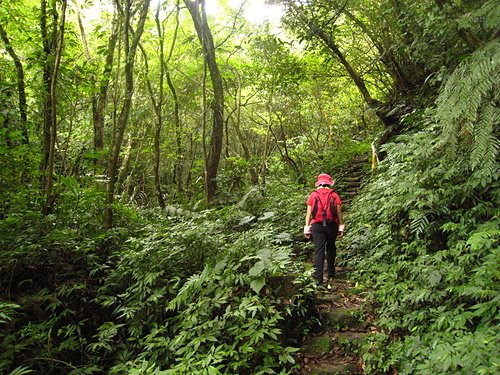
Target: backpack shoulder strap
(315, 205)
(331, 201)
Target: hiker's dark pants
(324, 240)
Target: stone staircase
(350, 181)
(336, 349)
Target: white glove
(341, 227)
(307, 230)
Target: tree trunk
(158, 109)
(178, 165)
(47, 44)
(197, 10)
(285, 155)
(130, 50)
(329, 42)
(99, 101)
(254, 178)
(159, 112)
(21, 86)
(387, 56)
(54, 46)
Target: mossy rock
(318, 345)
(282, 286)
(335, 369)
(351, 340)
(329, 298)
(343, 318)
(356, 290)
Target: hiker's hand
(307, 231)
(341, 230)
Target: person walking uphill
(324, 222)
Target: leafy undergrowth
(425, 235)
(170, 292)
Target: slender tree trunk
(178, 165)
(130, 51)
(178, 142)
(159, 110)
(123, 172)
(197, 10)
(285, 155)
(21, 86)
(267, 143)
(204, 122)
(82, 31)
(47, 45)
(387, 56)
(329, 42)
(100, 100)
(237, 127)
(358, 81)
(53, 45)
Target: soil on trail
(344, 326)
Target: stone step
(354, 183)
(349, 368)
(360, 161)
(351, 341)
(352, 178)
(359, 164)
(355, 172)
(344, 289)
(349, 192)
(329, 298)
(343, 318)
(316, 346)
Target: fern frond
(486, 145)
(467, 109)
(192, 284)
(419, 222)
(486, 18)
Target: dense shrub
(173, 292)
(425, 235)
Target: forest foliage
(119, 255)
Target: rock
(282, 286)
(329, 298)
(350, 340)
(336, 369)
(342, 318)
(317, 346)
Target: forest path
(352, 178)
(336, 348)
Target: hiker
(324, 222)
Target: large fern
(467, 110)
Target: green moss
(318, 345)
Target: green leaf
(246, 220)
(258, 284)
(257, 269)
(266, 216)
(20, 371)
